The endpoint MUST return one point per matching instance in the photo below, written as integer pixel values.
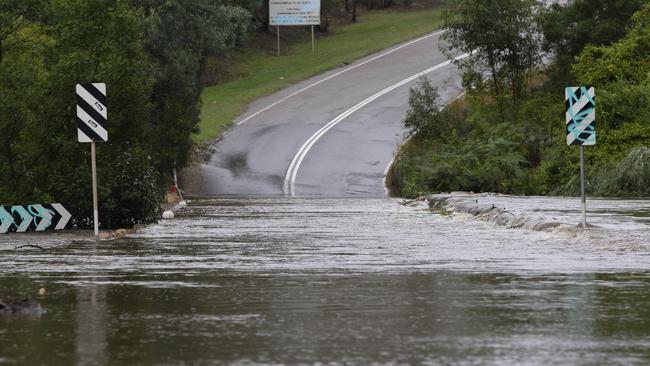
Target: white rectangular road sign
(91, 113)
(294, 12)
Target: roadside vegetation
(155, 56)
(507, 133)
(150, 55)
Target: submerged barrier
(468, 203)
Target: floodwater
(338, 281)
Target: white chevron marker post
(92, 117)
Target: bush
(131, 191)
(454, 148)
(424, 116)
(630, 177)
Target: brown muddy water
(338, 281)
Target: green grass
(264, 73)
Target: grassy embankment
(263, 73)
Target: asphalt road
(332, 135)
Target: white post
(313, 49)
(94, 172)
(582, 186)
(178, 189)
(278, 27)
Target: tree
(180, 35)
(502, 33)
(427, 118)
(22, 74)
(569, 28)
(627, 60)
(95, 41)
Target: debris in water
(21, 307)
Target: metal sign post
(94, 173)
(583, 196)
(581, 129)
(92, 120)
(278, 28)
(313, 47)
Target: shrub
(630, 176)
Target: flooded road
(338, 281)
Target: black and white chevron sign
(37, 217)
(91, 113)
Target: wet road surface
(283, 149)
(338, 281)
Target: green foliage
(517, 145)
(627, 60)
(452, 151)
(134, 193)
(469, 164)
(22, 72)
(568, 29)
(503, 34)
(181, 34)
(96, 41)
(425, 116)
(76, 41)
(629, 177)
(623, 102)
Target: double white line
(288, 186)
(339, 73)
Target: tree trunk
(354, 11)
(266, 16)
(495, 84)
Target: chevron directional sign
(35, 217)
(91, 113)
(580, 115)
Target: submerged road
(338, 281)
(332, 135)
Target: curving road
(332, 135)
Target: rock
(22, 307)
(546, 225)
(182, 204)
(168, 215)
(519, 221)
(579, 226)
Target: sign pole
(278, 27)
(94, 173)
(582, 187)
(313, 49)
(92, 123)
